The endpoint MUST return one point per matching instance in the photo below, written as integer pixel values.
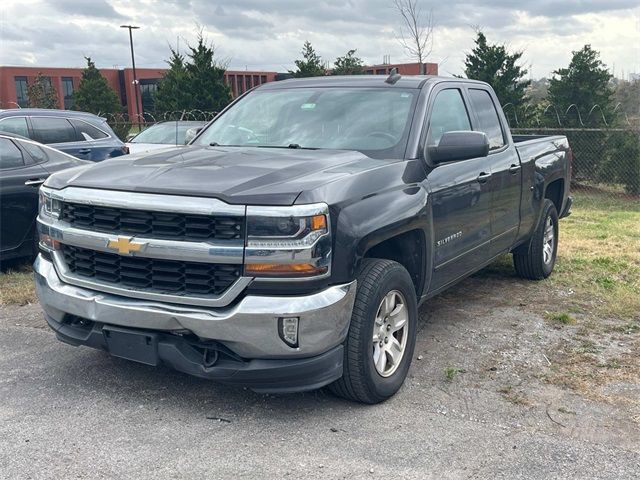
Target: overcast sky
(268, 34)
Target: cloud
(94, 8)
(268, 35)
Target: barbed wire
(552, 116)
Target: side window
(17, 125)
(448, 114)
(52, 130)
(37, 153)
(87, 131)
(488, 117)
(10, 155)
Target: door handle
(513, 169)
(84, 151)
(483, 177)
(35, 182)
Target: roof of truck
(405, 81)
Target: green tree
(310, 65)
(41, 93)
(205, 78)
(348, 65)
(627, 98)
(94, 95)
(172, 93)
(193, 82)
(494, 64)
(584, 83)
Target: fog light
(288, 330)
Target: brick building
(14, 82)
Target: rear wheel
(382, 334)
(539, 259)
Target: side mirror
(459, 146)
(191, 134)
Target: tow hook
(210, 357)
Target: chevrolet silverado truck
(289, 246)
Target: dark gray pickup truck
(289, 245)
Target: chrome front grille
(169, 248)
(169, 225)
(151, 274)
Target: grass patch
(17, 286)
(599, 256)
(451, 372)
(562, 318)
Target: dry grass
(17, 286)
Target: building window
(381, 71)
(67, 92)
(148, 89)
(22, 96)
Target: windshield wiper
(291, 145)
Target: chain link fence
(606, 148)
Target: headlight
(49, 206)
(288, 242)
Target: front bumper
(248, 328)
(178, 352)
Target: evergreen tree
(172, 93)
(193, 82)
(348, 65)
(41, 93)
(94, 95)
(493, 64)
(584, 83)
(205, 78)
(310, 65)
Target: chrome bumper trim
(249, 328)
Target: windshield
(171, 133)
(374, 121)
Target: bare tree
(416, 34)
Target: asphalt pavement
(70, 412)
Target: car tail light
(125, 150)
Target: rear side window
(87, 131)
(53, 130)
(37, 153)
(17, 125)
(487, 116)
(10, 155)
(448, 114)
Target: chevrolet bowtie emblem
(124, 245)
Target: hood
(263, 176)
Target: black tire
(360, 381)
(531, 263)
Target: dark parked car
(288, 246)
(163, 135)
(24, 166)
(83, 135)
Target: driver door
(460, 195)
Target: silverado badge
(124, 245)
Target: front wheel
(538, 261)
(379, 345)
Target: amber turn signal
(318, 222)
(276, 270)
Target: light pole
(133, 63)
